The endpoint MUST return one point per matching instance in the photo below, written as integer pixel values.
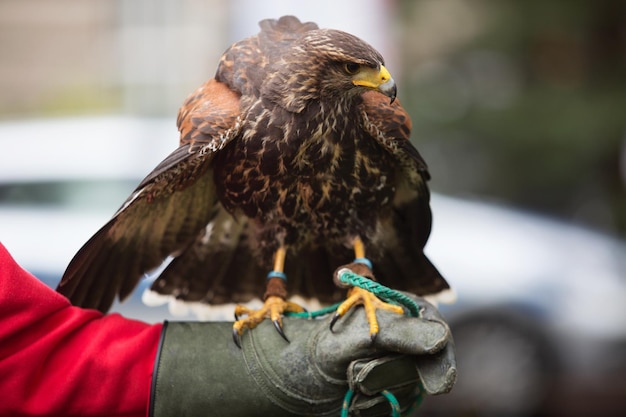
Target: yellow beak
(380, 80)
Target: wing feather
(165, 214)
(403, 265)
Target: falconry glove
(200, 371)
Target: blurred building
(69, 57)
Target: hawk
(295, 158)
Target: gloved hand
(200, 371)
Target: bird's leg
(274, 304)
(359, 296)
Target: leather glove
(200, 371)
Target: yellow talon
(273, 308)
(370, 303)
(274, 305)
(357, 295)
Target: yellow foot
(273, 308)
(370, 302)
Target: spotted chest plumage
(325, 185)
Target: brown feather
(281, 148)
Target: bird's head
(346, 64)
(328, 64)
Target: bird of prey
(295, 158)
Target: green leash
(346, 276)
(386, 294)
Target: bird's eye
(351, 68)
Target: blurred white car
(62, 179)
(541, 311)
(540, 322)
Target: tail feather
(220, 266)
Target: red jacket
(56, 359)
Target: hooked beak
(377, 79)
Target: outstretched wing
(165, 214)
(403, 264)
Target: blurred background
(519, 108)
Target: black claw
(237, 338)
(279, 329)
(373, 337)
(236, 316)
(334, 320)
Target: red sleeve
(56, 359)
